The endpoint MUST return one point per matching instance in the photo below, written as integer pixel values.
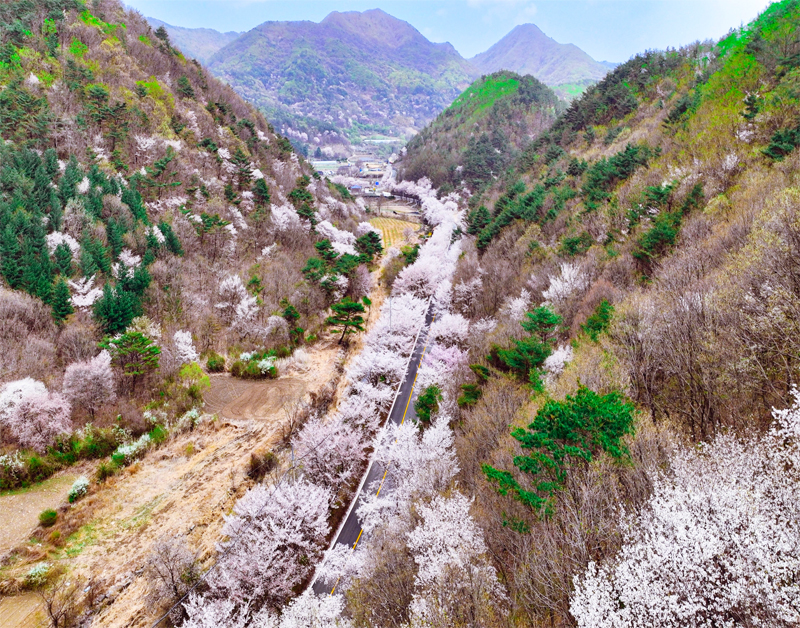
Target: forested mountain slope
(352, 75)
(527, 50)
(482, 132)
(146, 207)
(621, 357)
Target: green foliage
(185, 88)
(261, 193)
(427, 404)
(47, 518)
(514, 207)
(471, 394)
(605, 174)
(600, 320)
(478, 220)
(61, 304)
(565, 434)
(782, 143)
(369, 245)
(527, 356)
(134, 353)
(347, 316)
(215, 363)
(576, 245)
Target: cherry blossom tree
(184, 347)
(90, 384)
(275, 535)
(12, 394)
(38, 419)
(571, 280)
(718, 543)
(455, 584)
(207, 612)
(330, 452)
(450, 329)
(235, 303)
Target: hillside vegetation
(482, 132)
(150, 221)
(630, 288)
(351, 76)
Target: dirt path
(19, 509)
(181, 491)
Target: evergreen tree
(478, 220)
(261, 193)
(11, 253)
(63, 257)
(114, 233)
(244, 171)
(171, 240)
(67, 186)
(347, 315)
(185, 88)
(134, 353)
(61, 304)
(369, 245)
(565, 434)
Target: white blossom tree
(90, 384)
(455, 584)
(275, 536)
(12, 393)
(184, 347)
(717, 545)
(329, 451)
(39, 419)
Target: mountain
(199, 43)
(346, 78)
(482, 132)
(527, 50)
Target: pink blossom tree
(275, 536)
(39, 419)
(12, 393)
(90, 384)
(329, 451)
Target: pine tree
(63, 257)
(261, 193)
(114, 232)
(172, 241)
(61, 304)
(347, 315)
(244, 171)
(478, 220)
(10, 252)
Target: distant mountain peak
(528, 50)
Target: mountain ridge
(528, 50)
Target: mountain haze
(351, 75)
(200, 43)
(527, 50)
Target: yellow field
(392, 230)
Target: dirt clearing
(20, 508)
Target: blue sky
(610, 30)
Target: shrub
(599, 321)
(48, 517)
(237, 368)
(576, 245)
(216, 363)
(105, 470)
(37, 576)
(79, 489)
(260, 464)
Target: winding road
(402, 409)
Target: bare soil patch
(20, 508)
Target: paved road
(403, 410)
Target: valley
(321, 324)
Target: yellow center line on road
(383, 479)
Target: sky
(609, 30)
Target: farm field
(392, 230)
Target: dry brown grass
(392, 230)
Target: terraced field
(392, 230)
